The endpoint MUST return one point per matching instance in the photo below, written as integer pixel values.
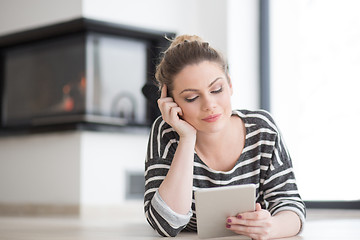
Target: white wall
(243, 52)
(206, 18)
(40, 169)
(105, 159)
(18, 15)
(315, 93)
(156, 14)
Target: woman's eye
(191, 99)
(219, 90)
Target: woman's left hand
(257, 224)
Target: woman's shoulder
(159, 123)
(161, 127)
(163, 140)
(260, 118)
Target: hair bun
(184, 39)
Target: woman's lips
(212, 118)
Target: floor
(321, 224)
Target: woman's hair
(185, 50)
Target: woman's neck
(220, 151)
(213, 143)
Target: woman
(200, 142)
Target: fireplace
(80, 72)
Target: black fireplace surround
(83, 72)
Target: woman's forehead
(198, 75)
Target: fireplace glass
(44, 80)
(91, 77)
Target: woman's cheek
(189, 113)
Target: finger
(163, 102)
(246, 215)
(253, 232)
(243, 230)
(167, 103)
(256, 215)
(163, 91)
(180, 112)
(234, 221)
(250, 230)
(175, 112)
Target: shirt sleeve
(161, 149)
(280, 188)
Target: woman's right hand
(171, 113)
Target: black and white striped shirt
(264, 162)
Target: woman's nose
(208, 103)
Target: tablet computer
(214, 205)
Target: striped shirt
(264, 162)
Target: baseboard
(11, 209)
(130, 209)
(333, 204)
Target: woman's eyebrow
(196, 90)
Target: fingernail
(228, 225)
(229, 220)
(239, 216)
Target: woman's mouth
(212, 118)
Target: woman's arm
(176, 189)
(169, 171)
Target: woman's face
(203, 92)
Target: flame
(83, 82)
(69, 104)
